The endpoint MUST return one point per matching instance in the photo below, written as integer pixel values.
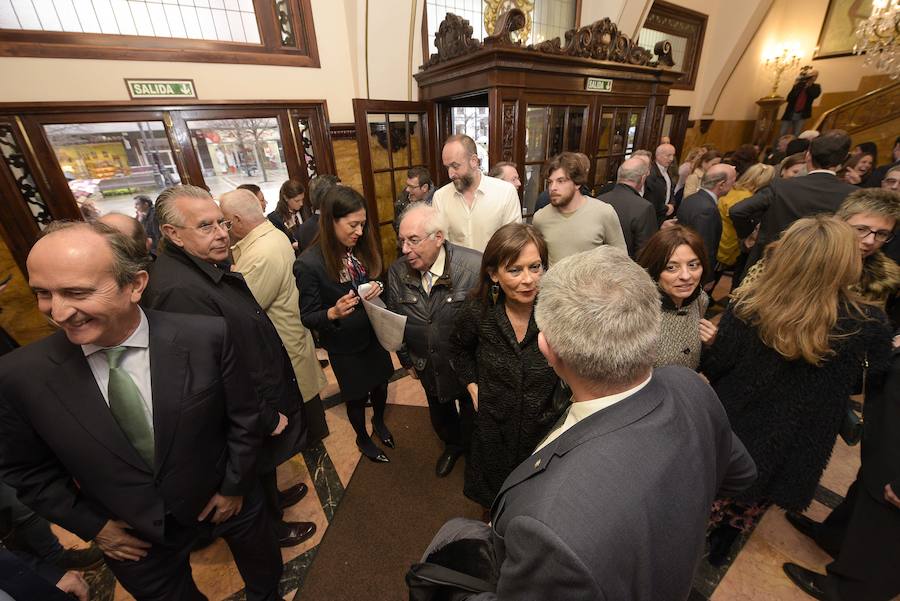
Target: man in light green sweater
(572, 222)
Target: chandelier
(878, 37)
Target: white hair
(600, 313)
(434, 222)
(243, 203)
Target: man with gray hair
(428, 284)
(700, 210)
(636, 215)
(614, 502)
(192, 275)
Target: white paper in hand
(388, 326)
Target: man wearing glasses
(192, 275)
(428, 284)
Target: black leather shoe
(813, 584)
(445, 463)
(294, 533)
(371, 452)
(803, 524)
(292, 495)
(720, 542)
(80, 559)
(384, 435)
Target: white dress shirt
(495, 204)
(584, 409)
(665, 173)
(135, 360)
(436, 271)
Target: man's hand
(890, 496)
(670, 208)
(224, 508)
(412, 373)
(282, 424)
(114, 540)
(74, 584)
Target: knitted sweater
(679, 332)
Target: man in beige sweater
(264, 256)
(572, 222)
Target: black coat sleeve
(644, 229)
(747, 213)
(464, 343)
(720, 358)
(313, 312)
(708, 225)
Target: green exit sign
(598, 84)
(161, 88)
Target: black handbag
(851, 428)
(433, 582)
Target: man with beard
(475, 205)
(573, 222)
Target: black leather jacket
(430, 317)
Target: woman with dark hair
(329, 274)
(700, 166)
(288, 213)
(743, 158)
(676, 260)
(495, 353)
(789, 350)
(857, 168)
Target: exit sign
(598, 84)
(161, 88)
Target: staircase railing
(863, 112)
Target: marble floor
(754, 574)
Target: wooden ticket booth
(597, 92)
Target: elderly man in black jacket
(636, 215)
(192, 275)
(428, 284)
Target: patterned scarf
(356, 271)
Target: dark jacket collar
(411, 277)
(669, 306)
(179, 255)
(628, 187)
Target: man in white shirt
(658, 188)
(475, 205)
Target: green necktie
(127, 406)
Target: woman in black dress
(329, 275)
(495, 353)
(788, 352)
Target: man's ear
(139, 285)
(547, 351)
(171, 233)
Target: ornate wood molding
(343, 131)
(600, 40)
(509, 131)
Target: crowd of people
(602, 395)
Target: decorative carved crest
(453, 38)
(600, 40)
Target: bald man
(129, 226)
(636, 214)
(700, 210)
(659, 188)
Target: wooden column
(767, 120)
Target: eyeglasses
(863, 231)
(413, 242)
(209, 228)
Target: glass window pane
(618, 137)
(474, 122)
(107, 164)
(416, 146)
(605, 131)
(557, 125)
(384, 198)
(601, 172)
(576, 127)
(399, 140)
(388, 243)
(240, 151)
(536, 118)
(378, 141)
(631, 134)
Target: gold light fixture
(778, 58)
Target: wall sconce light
(779, 58)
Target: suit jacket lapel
(78, 392)
(168, 371)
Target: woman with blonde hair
(701, 164)
(787, 354)
(687, 167)
(731, 254)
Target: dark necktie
(127, 406)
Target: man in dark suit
(784, 201)
(700, 210)
(133, 429)
(614, 502)
(862, 532)
(659, 188)
(636, 215)
(191, 275)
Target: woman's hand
(374, 291)
(707, 332)
(473, 392)
(344, 306)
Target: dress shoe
(80, 559)
(294, 533)
(384, 435)
(445, 463)
(803, 524)
(817, 586)
(292, 495)
(371, 452)
(721, 540)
